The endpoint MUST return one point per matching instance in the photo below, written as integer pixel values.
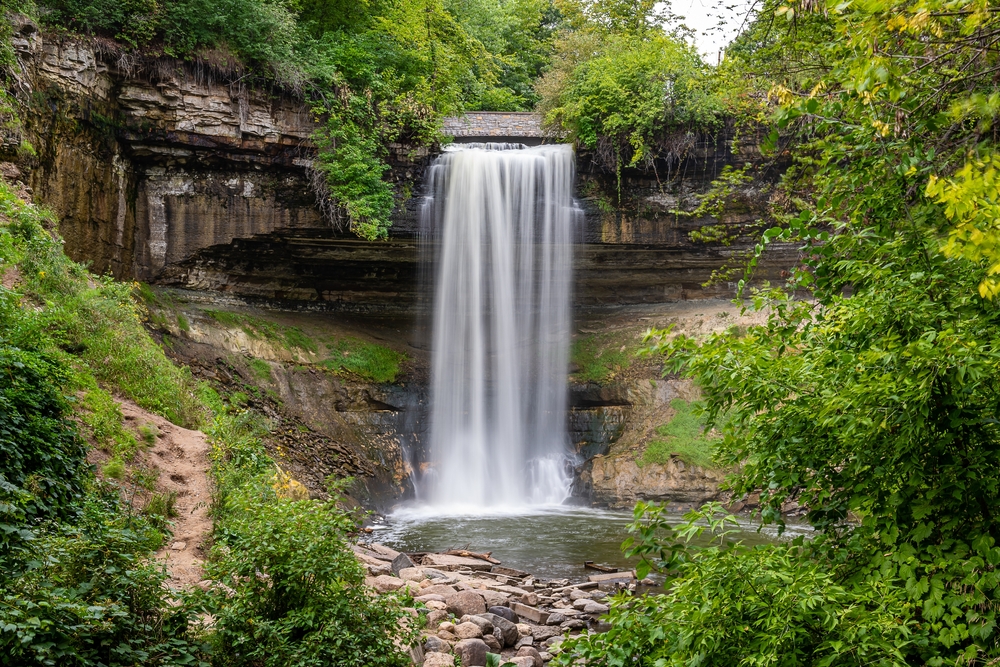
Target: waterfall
(499, 221)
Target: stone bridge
(523, 127)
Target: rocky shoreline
(470, 605)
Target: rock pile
(474, 606)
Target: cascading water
(500, 220)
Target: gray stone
(504, 612)
(401, 562)
(438, 589)
(580, 604)
(527, 640)
(468, 631)
(434, 644)
(595, 608)
(472, 652)
(555, 619)
(495, 645)
(542, 633)
(508, 629)
(465, 602)
(427, 597)
(531, 652)
(522, 661)
(574, 624)
(435, 574)
(530, 599)
(553, 642)
(492, 598)
(577, 594)
(546, 656)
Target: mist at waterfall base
(499, 221)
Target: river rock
(574, 624)
(493, 643)
(530, 599)
(439, 660)
(527, 640)
(435, 617)
(385, 584)
(472, 652)
(434, 644)
(553, 642)
(401, 562)
(432, 573)
(427, 597)
(468, 631)
(598, 595)
(436, 604)
(466, 602)
(555, 619)
(541, 633)
(577, 594)
(521, 661)
(485, 624)
(447, 636)
(384, 551)
(412, 574)
(524, 630)
(378, 570)
(438, 589)
(546, 656)
(531, 652)
(492, 598)
(508, 629)
(504, 612)
(595, 608)
(447, 626)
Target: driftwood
(472, 554)
(591, 565)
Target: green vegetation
(600, 357)
(370, 361)
(78, 583)
(872, 404)
(684, 435)
(261, 369)
(257, 327)
(310, 605)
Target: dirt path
(181, 456)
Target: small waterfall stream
(500, 220)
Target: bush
(367, 360)
(684, 435)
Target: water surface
(549, 542)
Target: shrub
(368, 360)
(683, 435)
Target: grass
(368, 360)
(684, 435)
(600, 357)
(261, 369)
(257, 327)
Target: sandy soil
(181, 456)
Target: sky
(704, 16)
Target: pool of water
(550, 542)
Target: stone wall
(494, 126)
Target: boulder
(427, 597)
(385, 584)
(439, 660)
(435, 574)
(530, 599)
(468, 631)
(541, 633)
(377, 570)
(438, 589)
(577, 594)
(574, 624)
(493, 643)
(436, 604)
(382, 550)
(504, 612)
(521, 661)
(472, 652)
(555, 619)
(531, 652)
(527, 640)
(435, 617)
(595, 608)
(524, 630)
(507, 629)
(412, 574)
(465, 602)
(434, 644)
(546, 656)
(447, 626)
(447, 636)
(485, 624)
(401, 562)
(492, 598)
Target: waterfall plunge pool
(550, 542)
